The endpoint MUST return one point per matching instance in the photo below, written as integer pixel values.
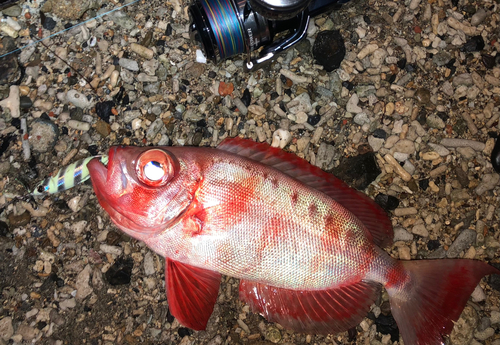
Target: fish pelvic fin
(428, 296)
(319, 311)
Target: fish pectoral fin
(318, 311)
(191, 293)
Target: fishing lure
(67, 177)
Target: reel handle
(277, 47)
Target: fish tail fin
(431, 296)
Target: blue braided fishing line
(226, 27)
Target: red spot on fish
(25, 136)
(40, 33)
(313, 210)
(274, 182)
(295, 198)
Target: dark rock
(313, 119)
(423, 96)
(474, 44)
(183, 331)
(25, 102)
(424, 184)
(379, 133)
(168, 30)
(329, 49)
(495, 156)
(488, 61)
(386, 325)
(4, 228)
(433, 245)
(103, 110)
(6, 140)
(120, 272)
(401, 63)
(49, 23)
(72, 80)
(494, 279)
(170, 317)
(9, 67)
(246, 98)
(358, 171)
(348, 85)
(387, 202)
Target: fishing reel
(225, 28)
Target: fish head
(143, 189)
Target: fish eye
(156, 167)
(153, 171)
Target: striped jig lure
(67, 177)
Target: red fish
(305, 246)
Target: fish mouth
(100, 175)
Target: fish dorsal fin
(318, 311)
(365, 209)
(191, 293)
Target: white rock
(115, 250)
(82, 283)
(78, 99)
(352, 104)
(281, 138)
(67, 304)
(478, 294)
(149, 264)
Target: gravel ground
(410, 117)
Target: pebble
(398, 168)
(405, 211)
(434, 121)
(82, 283)
(12, 102)
(463, 241)
(43, 135)
(67, 304)
(352, 104)
(453, 142)
(149, 264)
(489, 182)
(400, 234)
(78, 125)
(420, 230)
(404, 146)
(78, 99)
(6, 328)
(478, 294)
(487, 333)
(129, 64)
(440, 149)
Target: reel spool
(226, 28)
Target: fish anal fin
(191, 293)
(365, 209)
(319, 311)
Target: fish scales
(244, 224)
